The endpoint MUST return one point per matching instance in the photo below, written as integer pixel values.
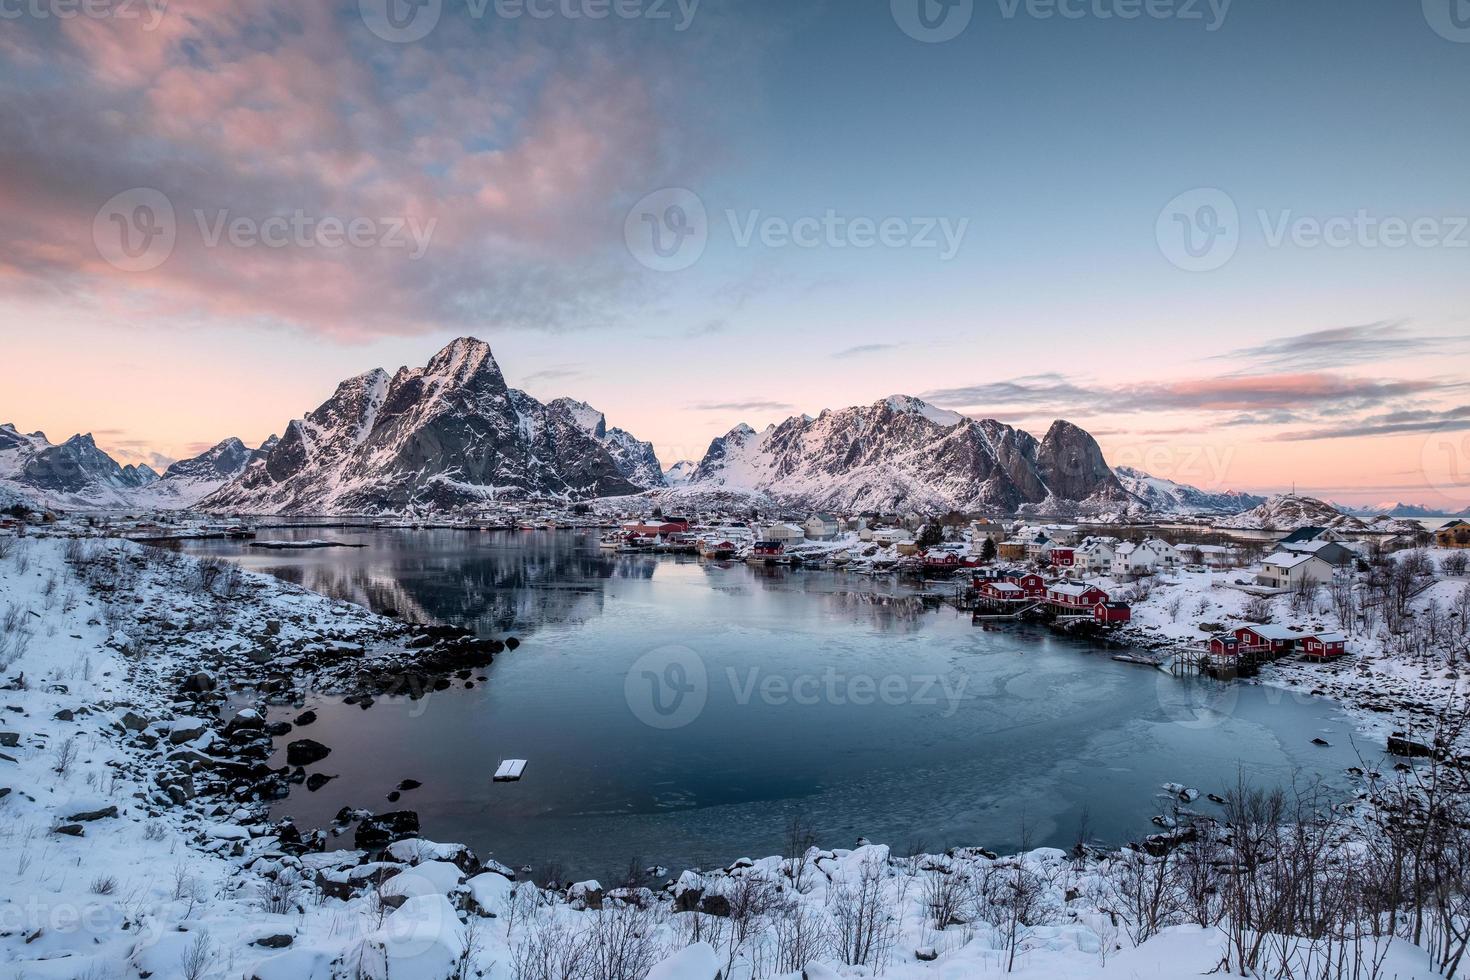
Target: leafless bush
(863, 925)
(621, 945)
(1455, 564)
(800, 938)
(66, 754)
(7, 546)
(550, 950)
(1257, 610)
(104, 885)
(280, 895)
(194, 960)
(945, 893)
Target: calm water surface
(839, 698)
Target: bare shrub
(104, 885)
(550, 950)
(863, 924)
(195, 959)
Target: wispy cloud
(1266, 392)
(751, 406)
(1342, 346)
(1391, 423)
(861, 349)
(552, 374)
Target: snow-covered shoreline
(137, 817)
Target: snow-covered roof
(1286, 559)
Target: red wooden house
(1324, 646)
(1272, 640)
(1063, 557)
(1112, 613)
(769, 549)
(1001, 592)
(942, 561)
(1075, 596)
(1032, 584)
(1225, 646)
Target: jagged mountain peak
(448, 435)
(909, 405)
(461, 360)
(901, 453)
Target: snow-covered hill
(901, 453)
(74, 474)
(1161, 496)
(1290, 512)
(446, 435)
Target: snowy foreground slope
(136, 845)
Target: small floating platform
(510, 770)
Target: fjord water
(843, 699)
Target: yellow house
(1455, 534)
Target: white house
(822, 527)
(1146, 557)
(785, 533)
(1094, 556)
(1288, 570)
(886, 536)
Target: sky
(1228, 238)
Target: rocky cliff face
(450, 434)
(635, 459)
(903, 454)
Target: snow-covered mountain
(1161, 496)
(635, 459)
(446, 435)
(901, 453)
(1290, 512)
(189, 481)
(1397, 508)
(678, 475)
(73, 474)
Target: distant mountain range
(1400, 509)
(1291, 512)
(453, 435)
(1162, 496)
